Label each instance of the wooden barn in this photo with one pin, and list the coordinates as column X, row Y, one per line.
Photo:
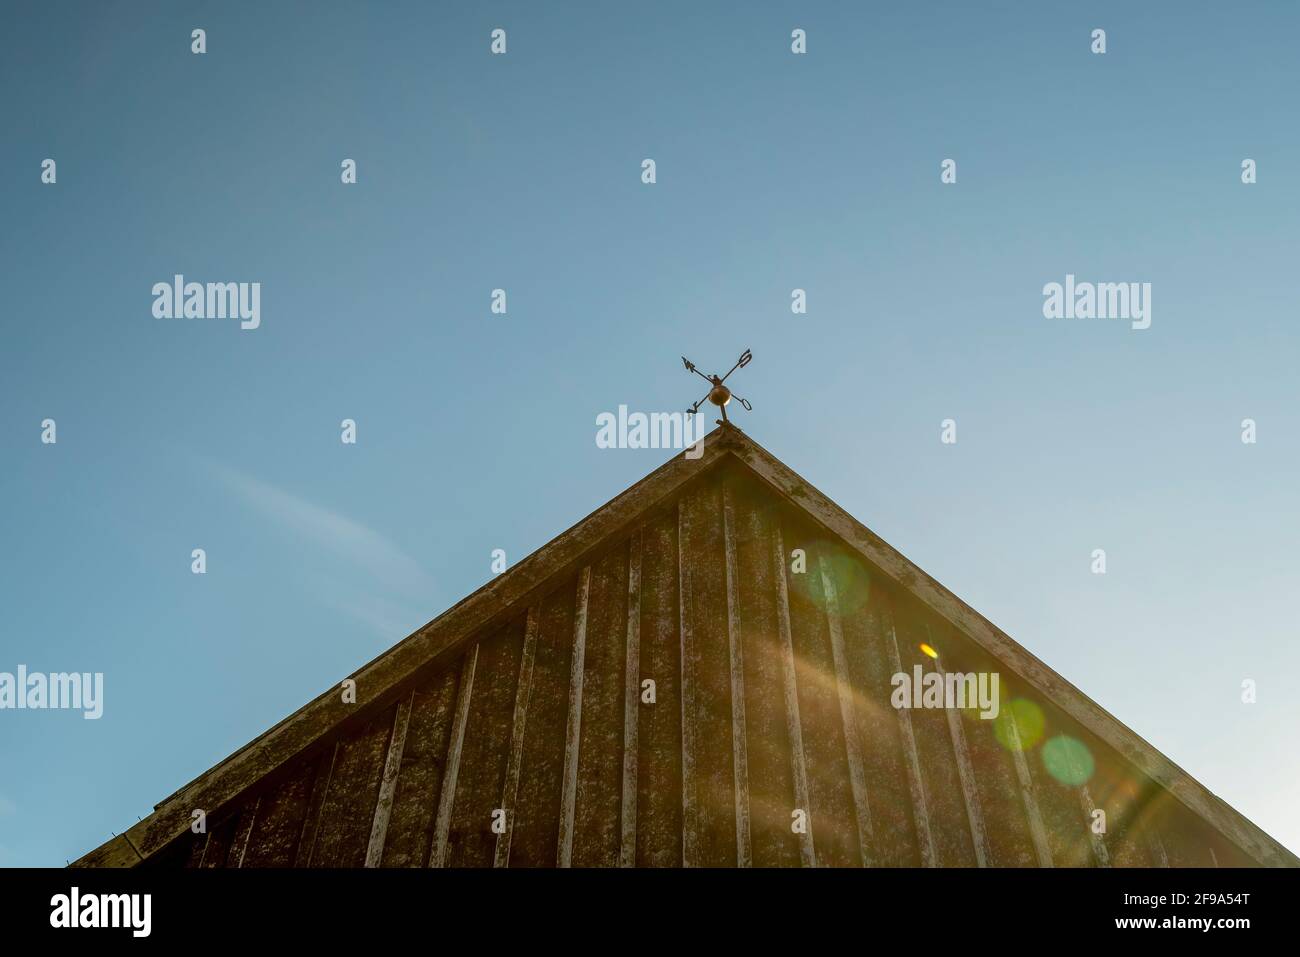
column 698, row 674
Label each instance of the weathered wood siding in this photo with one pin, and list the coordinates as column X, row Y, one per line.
column 771, row 704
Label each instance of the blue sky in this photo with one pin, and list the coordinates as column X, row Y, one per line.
column 476, row 431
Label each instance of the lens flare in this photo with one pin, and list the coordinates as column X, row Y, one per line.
column 1027, row 729
column 852, row 584
column 1068, row 760
column 927, row 650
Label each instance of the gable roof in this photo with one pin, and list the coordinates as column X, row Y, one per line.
column 379, row 681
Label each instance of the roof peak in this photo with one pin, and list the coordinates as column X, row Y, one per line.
column 384, row 677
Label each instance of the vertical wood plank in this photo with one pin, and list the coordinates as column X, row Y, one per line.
column 598, row 798
column 199, row 851
column 346, row 816
column 844, row 691
column 574, row 726
column 1119, row 802
column 659, row 731
column 1098, row 844
column 523, row 694
column 246, row 819
column 740, row 756
column 631, row 702
column 830, row 789
column 409, row 838
column 311, row 821
column 1006, row 828
column 799, row 764
column 280, row 817
column 713, row 755
column 966, row 773
column 773, row 841
column 1028, row 797
column 690, row 784
column 220, row 840
column 442, row 824
column 970, row 793
column 476, row 816
column 388, row 783
column 535, row 823
column 920, row 812
column 1157, row 847
column 945, row 803
column 862, row 600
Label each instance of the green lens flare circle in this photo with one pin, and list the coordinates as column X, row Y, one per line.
column 1068, row 760
column 1027, row 730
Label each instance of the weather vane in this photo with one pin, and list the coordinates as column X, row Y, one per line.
column 718, row 393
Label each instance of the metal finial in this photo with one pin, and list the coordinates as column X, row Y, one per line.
column 718, row 393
